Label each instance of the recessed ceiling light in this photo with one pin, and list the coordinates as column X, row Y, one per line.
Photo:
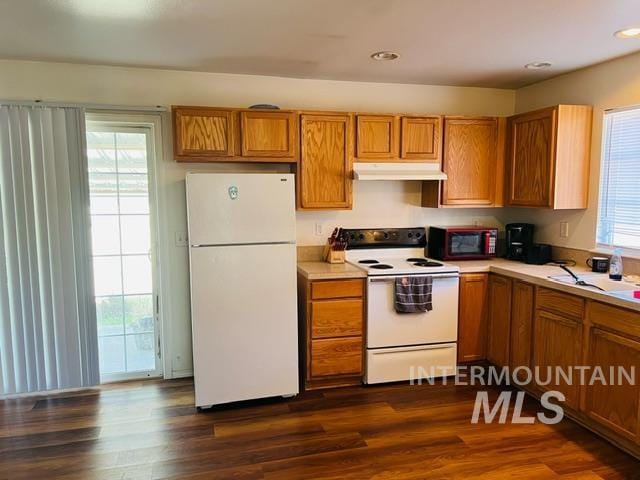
column 538, row 65
column 633, row 32
column 384, row 55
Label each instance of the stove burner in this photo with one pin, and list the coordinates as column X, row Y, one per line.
column 381, row 266
column 417, row 259
column 368, row 262
column 428, row 263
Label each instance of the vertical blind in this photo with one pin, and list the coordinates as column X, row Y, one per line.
column 619, row 210
column 48, row 329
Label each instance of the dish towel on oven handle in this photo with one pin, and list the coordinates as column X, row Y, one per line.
column 413, row 294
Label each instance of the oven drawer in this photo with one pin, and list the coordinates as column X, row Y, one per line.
column 396, row 364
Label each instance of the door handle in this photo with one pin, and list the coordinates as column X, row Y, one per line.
column 401, row 350
column 391, row 279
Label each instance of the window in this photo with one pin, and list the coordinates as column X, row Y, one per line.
column 619, row 210
column 122, row 229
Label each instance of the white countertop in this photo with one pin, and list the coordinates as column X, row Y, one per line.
column 539, row 275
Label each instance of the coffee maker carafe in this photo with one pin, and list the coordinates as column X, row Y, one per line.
column 519, row 237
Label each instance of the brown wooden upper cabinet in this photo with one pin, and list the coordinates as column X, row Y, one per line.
column 377, row 137
column 207, row 134
column 268, row 134
column 473, row 160
column 421, row 138
column 201, row 133
column 548, row 157
column 392, row 138
column 324, row 172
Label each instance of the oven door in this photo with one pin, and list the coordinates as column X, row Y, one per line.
column 470, row 244
column 387, row 328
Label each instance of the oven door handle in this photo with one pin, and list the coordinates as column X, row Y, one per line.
column 412, row 349
column 391, row 279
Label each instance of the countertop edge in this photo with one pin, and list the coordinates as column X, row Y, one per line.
column 329, row 271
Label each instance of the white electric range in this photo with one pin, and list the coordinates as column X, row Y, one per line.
column 402, row 346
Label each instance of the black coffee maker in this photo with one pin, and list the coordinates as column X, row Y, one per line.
column 519, row 237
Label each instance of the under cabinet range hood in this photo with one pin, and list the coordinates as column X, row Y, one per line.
column 398, row 171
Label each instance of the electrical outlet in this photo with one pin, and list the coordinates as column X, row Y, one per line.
column 181, row 239
column 318, row 229
column 564, row 229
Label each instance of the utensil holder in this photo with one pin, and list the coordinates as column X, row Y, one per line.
column 335, row 256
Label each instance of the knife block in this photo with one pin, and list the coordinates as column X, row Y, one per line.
column 333, row 256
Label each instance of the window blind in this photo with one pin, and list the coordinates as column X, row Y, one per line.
column 619, row 209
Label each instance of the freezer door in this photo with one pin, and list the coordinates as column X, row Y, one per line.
column 240, row 208
column 244, row 322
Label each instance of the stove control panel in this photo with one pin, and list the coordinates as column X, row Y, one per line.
column 384, row 237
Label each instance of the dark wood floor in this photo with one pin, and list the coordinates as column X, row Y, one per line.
column 149, row 430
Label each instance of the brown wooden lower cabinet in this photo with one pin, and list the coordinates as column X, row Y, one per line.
column 499, row 320
column 613, row 340
column 336, row 356
column 521, row 334
column 472, row 317
column 557, row 344
column 614, row 406
column 331, row 332
column 545, row 328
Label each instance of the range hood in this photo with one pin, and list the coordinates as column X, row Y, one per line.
column 398, row 171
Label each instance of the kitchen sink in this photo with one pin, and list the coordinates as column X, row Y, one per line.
column 599, row 280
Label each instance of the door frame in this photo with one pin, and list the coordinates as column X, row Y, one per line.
column 152, row 122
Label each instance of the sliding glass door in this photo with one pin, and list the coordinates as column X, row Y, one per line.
column 120, row 164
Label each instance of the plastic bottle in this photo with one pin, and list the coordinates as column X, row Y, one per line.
column 615, row 266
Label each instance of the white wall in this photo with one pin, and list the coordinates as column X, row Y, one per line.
column 376, row 204
column 608, row 85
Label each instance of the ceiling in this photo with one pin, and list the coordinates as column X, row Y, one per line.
column 446, row 42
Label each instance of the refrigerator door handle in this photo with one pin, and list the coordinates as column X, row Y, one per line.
column 250, row 244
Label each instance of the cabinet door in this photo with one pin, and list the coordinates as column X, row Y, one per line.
column 532, row 159
column 421, row 138
column 521, row 324
column 499, row 320
column 268, row 134
column 470, row 160
column 203, row 134
column 614, row 406
column 377, row 137
column 557, row 345
column 472, row 317
column 324, row 175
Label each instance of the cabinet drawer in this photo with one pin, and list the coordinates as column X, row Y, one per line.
column 562, row 303
column 337, row 289
column 336, row 318
column 614, row 318
column 342, row 356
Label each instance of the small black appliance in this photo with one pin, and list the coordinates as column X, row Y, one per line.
column 538, row 254
column 519, row 238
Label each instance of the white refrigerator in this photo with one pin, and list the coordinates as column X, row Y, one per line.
column 242, row 256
